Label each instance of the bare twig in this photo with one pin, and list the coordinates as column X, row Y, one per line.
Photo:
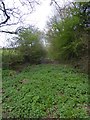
column 10, row 32
column 14, row 15
column 5, row 12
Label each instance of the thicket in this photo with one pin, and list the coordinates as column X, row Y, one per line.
column 29, row 49
column 68, row 36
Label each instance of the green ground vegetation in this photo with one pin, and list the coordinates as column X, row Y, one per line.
column 45, row 91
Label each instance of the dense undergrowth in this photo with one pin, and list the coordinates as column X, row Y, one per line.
column 45, row 91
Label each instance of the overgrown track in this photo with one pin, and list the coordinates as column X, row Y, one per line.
column 39, row 91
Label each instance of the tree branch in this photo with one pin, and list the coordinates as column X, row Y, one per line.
column 10, row 32
column 15, row 14
column 5, row 12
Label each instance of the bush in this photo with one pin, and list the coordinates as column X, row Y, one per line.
column 10, row 58
column 29, row 49
column 67, row 41
column 32, row 54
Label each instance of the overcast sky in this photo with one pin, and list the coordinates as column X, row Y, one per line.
column 38, row 18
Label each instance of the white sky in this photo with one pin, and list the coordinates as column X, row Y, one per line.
column 38, row 18
column 41, row 15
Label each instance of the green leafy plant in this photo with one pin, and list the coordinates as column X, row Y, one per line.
column 45, row 91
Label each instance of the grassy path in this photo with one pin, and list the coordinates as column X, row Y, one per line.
column 45, row 91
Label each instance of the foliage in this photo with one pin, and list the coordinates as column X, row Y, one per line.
column 30, row 45
column 10, row 57
column 29, row 49
column 39, row 91
column 68, row 36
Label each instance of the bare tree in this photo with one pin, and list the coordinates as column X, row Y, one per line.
column 13, row 12
column 63, row 10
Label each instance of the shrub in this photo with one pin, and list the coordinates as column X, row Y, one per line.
column 29, row 49
column 10, row 58
column 30, row 46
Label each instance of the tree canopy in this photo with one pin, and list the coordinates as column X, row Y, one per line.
column 68, row 35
